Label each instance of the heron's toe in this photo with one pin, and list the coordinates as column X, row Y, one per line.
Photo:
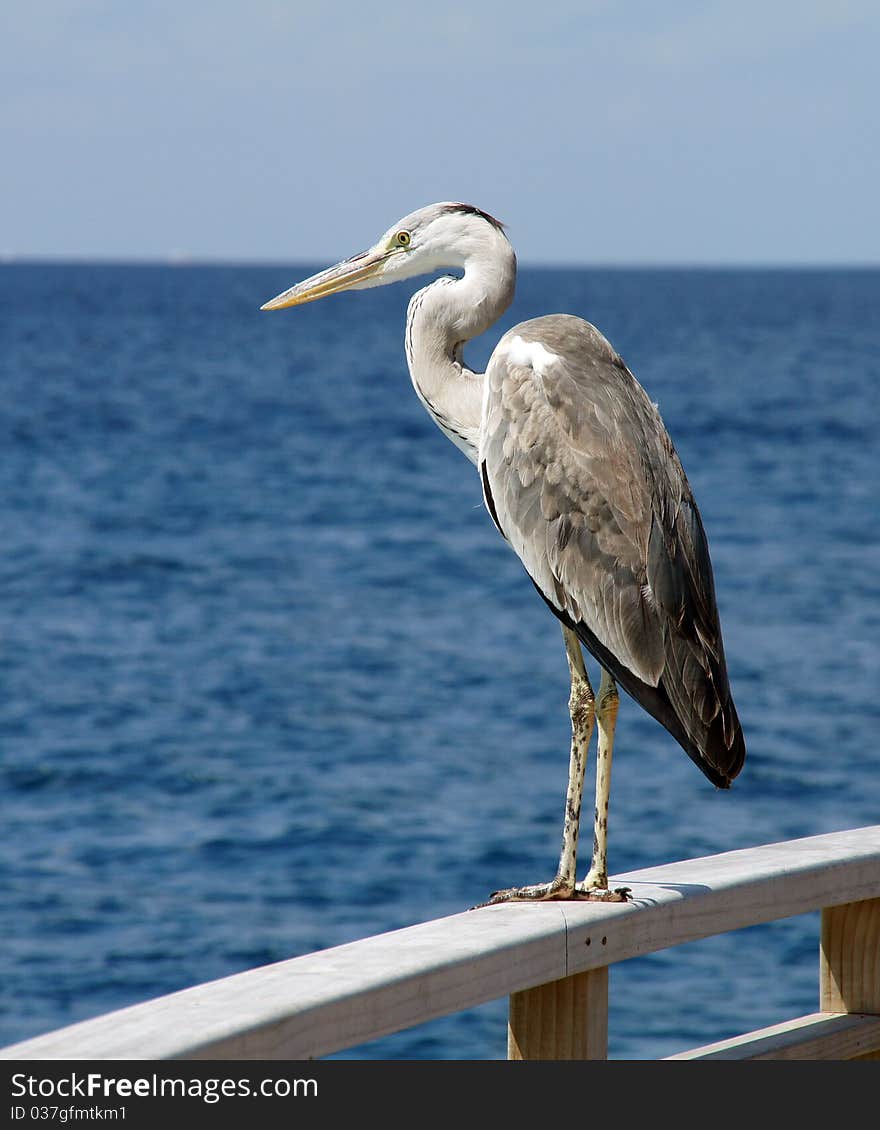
column 537, row 892
column 588, row 891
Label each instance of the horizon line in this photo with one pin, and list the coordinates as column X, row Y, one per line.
column 178, row 259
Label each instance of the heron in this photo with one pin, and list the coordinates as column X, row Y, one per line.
column 582, row 480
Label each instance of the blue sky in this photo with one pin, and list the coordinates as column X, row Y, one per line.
column 600, row 132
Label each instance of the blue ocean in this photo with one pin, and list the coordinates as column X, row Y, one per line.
column 270, row 680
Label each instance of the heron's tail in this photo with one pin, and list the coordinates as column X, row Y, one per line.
column 696, row 706
column 704, row 723
column 720, row 761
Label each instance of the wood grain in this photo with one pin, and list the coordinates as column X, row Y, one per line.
column 821, row 1035
column 849, row 961
column 566, row 1019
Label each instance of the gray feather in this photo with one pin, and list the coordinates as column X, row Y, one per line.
column 588, row 489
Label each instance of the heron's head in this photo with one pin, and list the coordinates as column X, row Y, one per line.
column 435, row 237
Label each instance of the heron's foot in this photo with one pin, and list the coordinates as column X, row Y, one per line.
column 602, row 894
column 557, row 891
column 538, row 892
column 595, row 887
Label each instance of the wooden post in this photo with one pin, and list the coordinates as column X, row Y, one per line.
column 849, row 960
column 566, row 1019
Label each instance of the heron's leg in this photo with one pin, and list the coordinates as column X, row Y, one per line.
column 606, row 720
column 582, row 708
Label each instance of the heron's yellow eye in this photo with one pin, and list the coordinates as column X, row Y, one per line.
column 403, row 239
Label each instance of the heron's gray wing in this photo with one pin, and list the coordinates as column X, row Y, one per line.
column 583, row 481
column 567, row 449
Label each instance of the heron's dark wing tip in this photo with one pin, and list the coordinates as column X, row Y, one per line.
column 724, row 751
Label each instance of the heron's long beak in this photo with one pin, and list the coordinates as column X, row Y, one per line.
column 348, row 273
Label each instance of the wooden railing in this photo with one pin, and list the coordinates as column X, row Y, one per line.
column 552, row 960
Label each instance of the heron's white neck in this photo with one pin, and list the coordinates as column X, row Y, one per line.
column 441, row 318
